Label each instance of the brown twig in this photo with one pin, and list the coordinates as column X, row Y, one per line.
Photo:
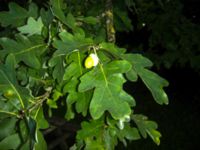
column 109, row 21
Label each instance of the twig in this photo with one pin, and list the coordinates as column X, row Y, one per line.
column 109, row 21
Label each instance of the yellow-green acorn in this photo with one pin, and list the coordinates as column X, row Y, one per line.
column 8, row 93
column 91, row 61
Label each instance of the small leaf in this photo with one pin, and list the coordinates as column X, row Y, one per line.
column 130, row 133
column 58, row 64
column 92, row 133
column 52, row 104
column 147, row 127
column 90, row 129
column 110, row 141
column 32, row 27
column 90, row 20
column 132, row 75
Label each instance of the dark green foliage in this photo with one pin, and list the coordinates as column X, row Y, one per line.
column 42, row 65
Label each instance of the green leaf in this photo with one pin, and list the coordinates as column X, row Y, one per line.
column 52, row 104
column 138, row 60
column 70, row 42
column 129, row 133
column 15, row 16
column 33, row 10
column 23, row 130
column 110, row 141
column 81, row 100
column 112, row 48
column 32, row 126
column 47, row 16
column 57, row 7
column 154, row 82
column 122, row 21
column 24, row 49
column 90, row 20
column 7, row 127
column 91, row 133
column 41, row 120
column 41, row 144
column 107, row 82
column 71, row 22
column 66, row 45
column 9, row 82
column 147, row 127
column 58, row 71
column 72, row 73
column 10, row 142
column 32, row 27
column 132, row 75
column 90, row 129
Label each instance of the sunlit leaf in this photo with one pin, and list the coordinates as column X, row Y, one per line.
column 108, row 92
column 32, row 27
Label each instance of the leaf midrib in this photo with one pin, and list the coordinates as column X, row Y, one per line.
column 28, row 49
column 13, row 87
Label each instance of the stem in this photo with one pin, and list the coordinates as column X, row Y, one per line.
column 39, row 101
column 9, row 113
column 109, row 21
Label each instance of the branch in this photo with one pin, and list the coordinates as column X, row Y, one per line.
column 109, row 21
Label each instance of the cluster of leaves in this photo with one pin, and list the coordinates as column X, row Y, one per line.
column 42, row 63
column 173, row 39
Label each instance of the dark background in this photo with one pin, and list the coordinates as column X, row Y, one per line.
column 179, row 121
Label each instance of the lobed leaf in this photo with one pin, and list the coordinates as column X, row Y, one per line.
column 8, row 80
column 32, row 27
column 154, row 82
column 108, row 93
column 72, row 73
column 24, row 50
column 147, row 127
column 15, row 16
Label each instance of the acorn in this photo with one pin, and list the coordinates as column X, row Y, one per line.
column 91, row 61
